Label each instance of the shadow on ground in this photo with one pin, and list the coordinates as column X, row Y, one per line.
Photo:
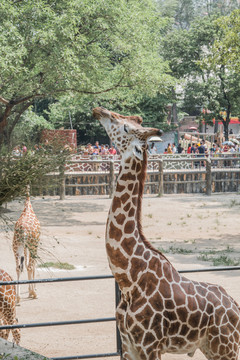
column 58, row 213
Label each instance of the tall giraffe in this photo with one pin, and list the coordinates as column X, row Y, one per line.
column 160, row 311
column 25, row 242
column 7, row 307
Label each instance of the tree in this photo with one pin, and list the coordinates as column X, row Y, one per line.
column 77, row 111
column 203, row 84
column 49, row 48
column 226, row 51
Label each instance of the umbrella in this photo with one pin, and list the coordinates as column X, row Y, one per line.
column 228, row 142
column 155, row 139
column 235, row 141
column 192, row 128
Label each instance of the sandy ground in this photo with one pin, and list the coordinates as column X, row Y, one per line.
column 73, row 232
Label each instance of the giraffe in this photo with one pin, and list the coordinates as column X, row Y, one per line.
column 25, row 242
column 7, row 307
column 160, row 310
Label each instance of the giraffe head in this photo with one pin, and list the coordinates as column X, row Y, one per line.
column 126, row 132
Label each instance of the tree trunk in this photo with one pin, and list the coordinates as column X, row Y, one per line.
column 216, row 126
column 225, row 127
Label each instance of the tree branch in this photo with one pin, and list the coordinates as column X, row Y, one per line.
column 4, row 101
column 24, row 108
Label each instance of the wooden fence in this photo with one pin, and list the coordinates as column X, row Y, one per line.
column 165, row 175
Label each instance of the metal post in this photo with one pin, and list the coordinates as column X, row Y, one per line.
column 117, row 300
column 160, row 178
column 62, row 182
column 208, row 176
column 111, row 179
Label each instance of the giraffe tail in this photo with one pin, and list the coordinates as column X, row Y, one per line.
column 21, row 263
column 21, row 257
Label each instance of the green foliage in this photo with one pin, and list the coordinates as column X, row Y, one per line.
column 49, row 48
column 29, row 128
column 226, row 50
column 17, row 173
column 57, row 265
column 204, row 84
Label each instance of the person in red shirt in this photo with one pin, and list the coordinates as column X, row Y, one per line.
column 112, row 150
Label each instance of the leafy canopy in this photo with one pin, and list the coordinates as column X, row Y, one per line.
column 50, row 48
column 88, row 46
column 227, row 49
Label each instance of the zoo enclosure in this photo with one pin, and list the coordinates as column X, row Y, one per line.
column 166, row 174
column 117, row 298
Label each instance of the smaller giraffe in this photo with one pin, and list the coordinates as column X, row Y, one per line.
column 25, row 242
column 7, row 307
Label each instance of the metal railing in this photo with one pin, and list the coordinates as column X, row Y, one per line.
column 86, row 321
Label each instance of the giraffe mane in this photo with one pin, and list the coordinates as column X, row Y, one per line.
column 133, row 118
column 139, row 207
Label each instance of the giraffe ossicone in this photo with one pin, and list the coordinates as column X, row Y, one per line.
column 8, row 307
column 160, row 310
column 25, row 244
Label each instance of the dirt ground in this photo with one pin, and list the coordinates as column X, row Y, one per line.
column 73, row 231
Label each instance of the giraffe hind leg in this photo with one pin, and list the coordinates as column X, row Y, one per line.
column 31, row 274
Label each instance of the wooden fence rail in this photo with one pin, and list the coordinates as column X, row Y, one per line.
column 165, row 175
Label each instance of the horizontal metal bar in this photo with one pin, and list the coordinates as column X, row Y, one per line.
column 56, row 323
column 99, row 277
column 220, row 268
column 77, row 278
column 92, row 356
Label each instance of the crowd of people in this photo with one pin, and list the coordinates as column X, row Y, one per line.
column 19, row 151
column 202, row 149
column 97, row 149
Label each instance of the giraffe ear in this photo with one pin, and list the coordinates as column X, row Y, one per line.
column 138, row 152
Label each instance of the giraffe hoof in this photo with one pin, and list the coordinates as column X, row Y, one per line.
column 32, row 295
column 18, row 301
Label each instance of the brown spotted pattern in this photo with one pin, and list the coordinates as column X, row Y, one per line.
column 8, row 308
column 25, row 245
column 160, row 311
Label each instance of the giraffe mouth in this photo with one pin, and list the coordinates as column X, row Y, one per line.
column 100, row 112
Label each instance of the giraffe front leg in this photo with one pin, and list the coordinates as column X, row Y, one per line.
column 11, row 320
column 3, row 333
column 18, row 286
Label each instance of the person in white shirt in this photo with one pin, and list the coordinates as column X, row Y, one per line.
column 153, row 149
column 174, row 149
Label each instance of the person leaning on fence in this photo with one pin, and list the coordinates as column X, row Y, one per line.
column 201, row 152
column 174, row 149
column 179, row 149
column 153, row 149
column 193, row 149
column 112, row 150
column 169, row 149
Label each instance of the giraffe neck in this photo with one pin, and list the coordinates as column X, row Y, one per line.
column 127, row 248
column 28, row 205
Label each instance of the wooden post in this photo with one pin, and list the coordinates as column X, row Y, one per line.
column 160, row 178
column 208, row 176
column 111, row 178
column 62, row 182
